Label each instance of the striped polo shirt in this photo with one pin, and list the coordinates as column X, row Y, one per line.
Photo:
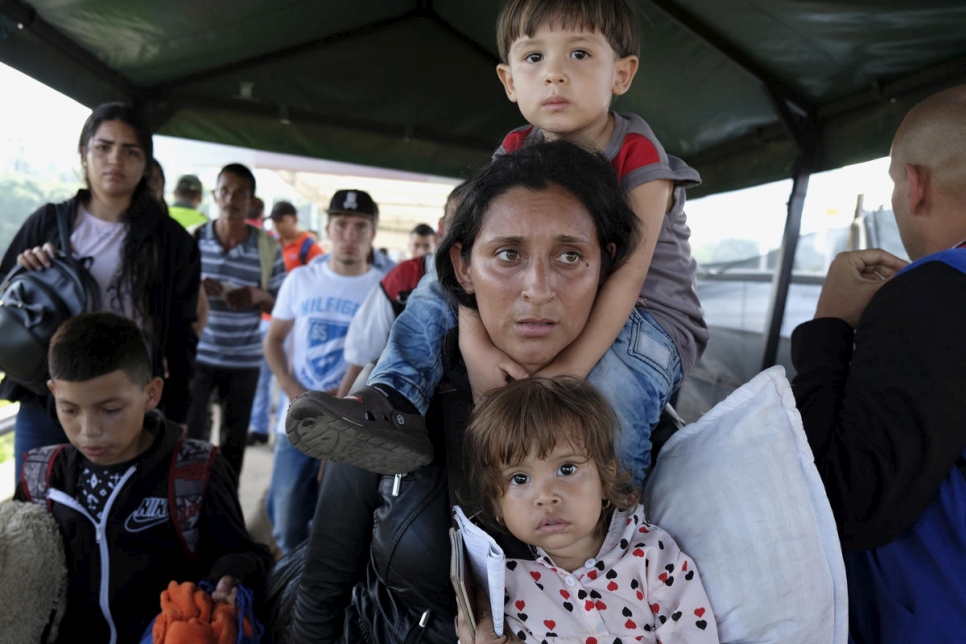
column 232, row 339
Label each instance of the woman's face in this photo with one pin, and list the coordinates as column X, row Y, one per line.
column 156, row 183
column 114, row 160
column 535, row 269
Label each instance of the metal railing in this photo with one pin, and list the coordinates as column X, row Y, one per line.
column 8, row 416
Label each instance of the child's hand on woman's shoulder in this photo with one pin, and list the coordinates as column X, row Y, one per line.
column 225, row 590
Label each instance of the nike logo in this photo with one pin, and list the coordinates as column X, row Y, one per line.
column 152, row 512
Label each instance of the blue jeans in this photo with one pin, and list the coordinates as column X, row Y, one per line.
column 292, row 494
column 637, row 375
column 262, row 405
column 34, row 427
column 235, row 389
column 412, row 363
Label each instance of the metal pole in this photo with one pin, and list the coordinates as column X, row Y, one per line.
column 786, row 260
column 806, row 134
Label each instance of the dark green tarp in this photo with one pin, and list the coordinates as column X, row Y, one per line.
column 736, row 87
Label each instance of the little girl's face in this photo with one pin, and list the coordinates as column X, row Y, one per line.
column 555, row 503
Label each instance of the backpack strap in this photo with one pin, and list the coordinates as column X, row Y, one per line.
column 63, row 225
column 267, row 248
column 187, row 484
column 304, row 251
column 37, row 467
column 401, row 281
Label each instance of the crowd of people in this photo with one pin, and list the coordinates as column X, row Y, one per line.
column 522, row 359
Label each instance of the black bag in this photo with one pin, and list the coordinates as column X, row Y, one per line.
column 33, row 304
column 281, row 588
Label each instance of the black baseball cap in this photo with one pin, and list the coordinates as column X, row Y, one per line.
column 353, row 202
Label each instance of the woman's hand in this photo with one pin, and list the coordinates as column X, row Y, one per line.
column 38, row 257
column 225, row 591
column 484, row 627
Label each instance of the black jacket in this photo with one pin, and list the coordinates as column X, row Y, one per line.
column 142, row 561
column 377, row 563
column 884, row 406
column 173, row 309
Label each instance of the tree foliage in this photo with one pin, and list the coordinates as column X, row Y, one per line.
column 21, row 195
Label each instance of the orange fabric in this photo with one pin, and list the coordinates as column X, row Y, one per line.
column 290, row 252
column 223, row 626
column 189, row 616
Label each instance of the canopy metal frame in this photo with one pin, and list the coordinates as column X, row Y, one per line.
column 809, row 134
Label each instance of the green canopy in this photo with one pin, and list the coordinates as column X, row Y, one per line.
column 739, row 88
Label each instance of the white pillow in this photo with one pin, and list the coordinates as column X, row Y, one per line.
column 739, row 491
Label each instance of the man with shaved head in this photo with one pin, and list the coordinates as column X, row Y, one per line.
column 881, row 387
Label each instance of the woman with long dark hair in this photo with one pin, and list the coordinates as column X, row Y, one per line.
column 146, row 265
column 537, row 233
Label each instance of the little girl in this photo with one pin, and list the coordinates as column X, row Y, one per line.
column 542, row 462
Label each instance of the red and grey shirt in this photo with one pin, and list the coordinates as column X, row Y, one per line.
column 670, row 290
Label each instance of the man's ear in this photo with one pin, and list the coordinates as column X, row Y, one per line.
column 506, row 77
column 624, row 71
column 153, row 391
column 461, row 267
column 52, row 388
column 917, row 183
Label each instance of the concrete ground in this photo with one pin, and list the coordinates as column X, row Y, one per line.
column 255, row 477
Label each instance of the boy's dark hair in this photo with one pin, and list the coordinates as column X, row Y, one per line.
column 257, row 209
column 242, row 171
column 91, row 345
column 534, row 415
column 422, row 230
column 585, row 175
column 615, row 19
column 283, row 209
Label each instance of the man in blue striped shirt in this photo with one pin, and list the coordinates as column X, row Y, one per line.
column 241, row 274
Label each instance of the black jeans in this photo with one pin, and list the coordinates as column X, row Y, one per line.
column 235, row 391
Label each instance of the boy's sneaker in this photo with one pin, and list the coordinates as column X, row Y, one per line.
column 362, row 430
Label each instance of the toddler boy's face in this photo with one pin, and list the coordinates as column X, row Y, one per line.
column 104, row 417
column 564, row 80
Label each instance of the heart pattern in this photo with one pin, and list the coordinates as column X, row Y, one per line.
column 611, row 592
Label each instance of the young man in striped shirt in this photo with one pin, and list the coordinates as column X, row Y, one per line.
column 240, row 285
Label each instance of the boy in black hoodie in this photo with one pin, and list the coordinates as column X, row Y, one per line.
column 137, row 505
